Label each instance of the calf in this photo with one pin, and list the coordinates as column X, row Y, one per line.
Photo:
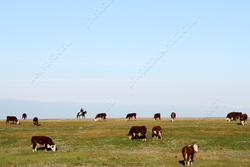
column 101, row 116
column 156, row 132
column 24, row 116
column 137, row 132
column 42, row 140
column 131, row 116
column 157, row 115
column 243, row 119
column 173, row 116
column 35, row 121
column 233, row 116
column 12, row 118
column 188, row 153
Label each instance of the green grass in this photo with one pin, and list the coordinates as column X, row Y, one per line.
column 105, row 143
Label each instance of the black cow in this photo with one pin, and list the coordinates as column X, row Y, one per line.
column 35, row 121
column 24, row 116
column 136, row 132
column 156, row 132
column 131, row 116
column 243, row 119
column 233, row 116
column 101, row 116
column 157, row 115
column 42, row 140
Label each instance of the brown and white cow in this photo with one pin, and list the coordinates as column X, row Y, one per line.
column 173, row 116
column 157, row 115
column 233, row 116
column 188, row 153
column 101, row 116
column 137, row 132
column 12, row 118
column 131, row 116
column 243, row 119
column 35, row 121
column 24, row 116
column 38, row 141
column 156, row 132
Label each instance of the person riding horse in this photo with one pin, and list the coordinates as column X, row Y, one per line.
column 81, row 113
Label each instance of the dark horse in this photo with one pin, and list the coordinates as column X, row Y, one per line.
column 81, row 113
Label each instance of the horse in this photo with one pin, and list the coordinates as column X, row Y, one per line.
column 81, row 113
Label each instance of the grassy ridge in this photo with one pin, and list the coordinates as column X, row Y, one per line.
column 105, row 143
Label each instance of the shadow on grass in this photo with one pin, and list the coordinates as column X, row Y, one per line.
column 239, row 124
column 43, row 149
column 182, row 162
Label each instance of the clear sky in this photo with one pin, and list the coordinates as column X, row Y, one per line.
column 191, row 57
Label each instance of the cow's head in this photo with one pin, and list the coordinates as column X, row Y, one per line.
column 130, row 136
column 227, row 119
column 18, row 123
column 195, row 147
column 53, row 147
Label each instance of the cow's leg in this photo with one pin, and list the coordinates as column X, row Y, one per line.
column 191, row 159
column 133, row 135
column 144, row 137
column 34, row 147
column 46, row 147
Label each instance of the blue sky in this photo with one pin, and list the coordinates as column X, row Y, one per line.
column 59, row 56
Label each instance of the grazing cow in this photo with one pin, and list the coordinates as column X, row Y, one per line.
column 42, row 140
column 188, row 153
column 81, row 113
column 24, row 116
column 12, row 118
column 233, row 116
column 156, row 132
column 157, row 115
column 243, row 119
column 131, row 116
column 101, row 116
column 137, row 132
column 35, row 121
column 173, row 116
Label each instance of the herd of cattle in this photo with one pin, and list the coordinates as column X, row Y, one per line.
column 135, row 132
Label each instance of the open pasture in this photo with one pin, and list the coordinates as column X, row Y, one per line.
column 84, row 142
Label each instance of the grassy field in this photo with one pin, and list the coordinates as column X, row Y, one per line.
column 105, row 143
